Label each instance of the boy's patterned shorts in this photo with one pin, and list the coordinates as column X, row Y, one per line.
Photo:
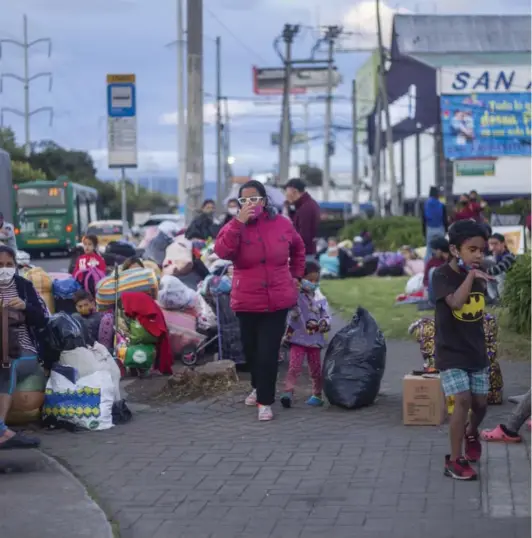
column 455, row 381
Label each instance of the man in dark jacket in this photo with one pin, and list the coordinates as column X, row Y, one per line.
column 306, row 216
column 203, row 226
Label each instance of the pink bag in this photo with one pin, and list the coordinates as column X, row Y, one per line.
column 89, row 279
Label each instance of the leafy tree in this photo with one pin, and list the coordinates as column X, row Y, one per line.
column 24, row 172
column 49, row 160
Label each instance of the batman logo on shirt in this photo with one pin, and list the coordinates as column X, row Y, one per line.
column 473, row 309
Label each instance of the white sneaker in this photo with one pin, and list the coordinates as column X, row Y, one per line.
column 251, row 400
column 265, row 413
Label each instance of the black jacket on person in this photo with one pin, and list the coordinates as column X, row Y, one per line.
column 35, row 313
column 202, row 227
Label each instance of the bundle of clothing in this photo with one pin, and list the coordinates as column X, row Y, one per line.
column 143, row 341
column 175, row 295
column 424, row 331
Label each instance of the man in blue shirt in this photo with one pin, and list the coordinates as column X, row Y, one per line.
column 434, row 220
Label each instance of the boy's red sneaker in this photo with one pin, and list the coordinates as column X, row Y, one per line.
column 473, row 448
column 459, row 469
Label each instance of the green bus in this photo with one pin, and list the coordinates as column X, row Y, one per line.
column 52, row 216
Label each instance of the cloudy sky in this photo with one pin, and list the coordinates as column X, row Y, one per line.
column 94, row 37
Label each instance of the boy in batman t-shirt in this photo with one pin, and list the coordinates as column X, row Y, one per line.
column 459, row 287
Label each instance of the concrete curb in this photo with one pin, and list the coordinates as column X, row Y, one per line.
column 105, row 530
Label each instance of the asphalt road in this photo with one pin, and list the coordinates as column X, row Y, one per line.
column 52, row 264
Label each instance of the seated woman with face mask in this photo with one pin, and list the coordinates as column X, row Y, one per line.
column 232, row 211
column 26, row 316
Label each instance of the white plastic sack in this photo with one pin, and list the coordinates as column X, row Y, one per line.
column 87, row 404
column 174, row 295
column 205, row 317
column 108, row 364
column 82, row 359
column 415, row 283
column 170, row 228
column 178, row 254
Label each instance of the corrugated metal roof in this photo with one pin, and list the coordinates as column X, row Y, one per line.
column 465, row 59
column 448, row 34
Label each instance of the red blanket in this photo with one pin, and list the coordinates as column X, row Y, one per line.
column 147, row 312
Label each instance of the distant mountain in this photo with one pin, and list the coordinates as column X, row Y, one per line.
column 169, row 185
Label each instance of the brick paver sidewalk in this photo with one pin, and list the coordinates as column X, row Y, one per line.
column 210, row 470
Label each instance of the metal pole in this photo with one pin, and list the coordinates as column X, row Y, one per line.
column 376, row 180
column 356, row 179
column 194, row 107
column 125, row 225
column 181, row 127
column 394, row 193
column 328, row 121
column 219, row 164
column 306, row 128
column 418, row 175
column 27, row 137
column 289, row 33
column 227, row 149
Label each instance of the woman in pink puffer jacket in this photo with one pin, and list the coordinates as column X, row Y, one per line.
column 269, row 260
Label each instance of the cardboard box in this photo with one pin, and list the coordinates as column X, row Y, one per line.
column 423, row 400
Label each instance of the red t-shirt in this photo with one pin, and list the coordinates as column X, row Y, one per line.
column 433, row 262
column 86, row 261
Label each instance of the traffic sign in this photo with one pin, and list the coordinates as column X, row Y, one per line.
column 121, row 121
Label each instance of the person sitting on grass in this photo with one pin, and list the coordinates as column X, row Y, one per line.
column 459, row 289
column 329, row 260
column 509, row 432
column 308, row 322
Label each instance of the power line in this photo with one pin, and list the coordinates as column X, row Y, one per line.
column 26, row 80
column 244, row 45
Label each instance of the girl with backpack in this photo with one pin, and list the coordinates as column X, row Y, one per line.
column 90, row 267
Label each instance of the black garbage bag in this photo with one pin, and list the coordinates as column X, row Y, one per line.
column 62, row 333
column 354, row 363
column 121, row 413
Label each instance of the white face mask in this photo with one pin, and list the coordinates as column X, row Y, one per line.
column 232, row 211
column 7, row 274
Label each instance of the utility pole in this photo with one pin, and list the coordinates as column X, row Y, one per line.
column 394, row 192
column 356, row 179
column 306, row 130
column 289, row 33
column 332, row 33
column 195, row 162
column 181, row 126
column 376, row 180
column 26, row 80
column 227, row 148
column 219, row 164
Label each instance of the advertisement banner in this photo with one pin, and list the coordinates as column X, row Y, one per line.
column 270, row 80
column 367, row 78
column 486, row 125
column 514, row 236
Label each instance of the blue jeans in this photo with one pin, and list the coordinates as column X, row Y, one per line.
column 432, row 233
